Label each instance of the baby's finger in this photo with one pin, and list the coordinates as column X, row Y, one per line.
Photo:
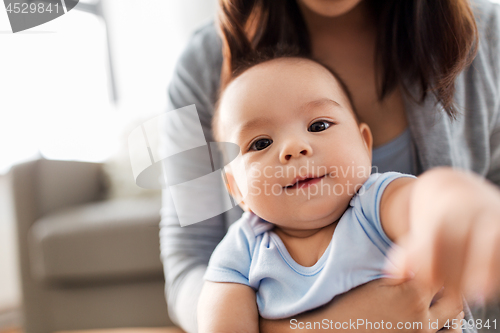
column 482, row 261
column 451, row 250
column 398, row 267
column 444, row 258
column 422, row 260
column 493, row 283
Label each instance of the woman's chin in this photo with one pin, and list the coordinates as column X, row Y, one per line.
column 329, row 8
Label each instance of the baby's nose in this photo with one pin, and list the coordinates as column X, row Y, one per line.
column 289, row 156
column 295, row 149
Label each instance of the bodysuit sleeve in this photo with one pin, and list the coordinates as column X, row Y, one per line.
column 232, row 258
column 366, row 205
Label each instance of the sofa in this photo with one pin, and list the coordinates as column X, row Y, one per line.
column 85, row 262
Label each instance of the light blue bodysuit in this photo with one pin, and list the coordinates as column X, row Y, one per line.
column 251, row 253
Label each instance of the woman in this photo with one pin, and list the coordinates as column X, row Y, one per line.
column 406, row 63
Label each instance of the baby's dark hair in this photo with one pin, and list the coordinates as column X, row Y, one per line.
column 260, row 57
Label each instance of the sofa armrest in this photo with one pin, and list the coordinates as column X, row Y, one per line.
column 43, row 186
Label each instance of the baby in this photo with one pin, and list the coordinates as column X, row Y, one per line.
column 317, row 223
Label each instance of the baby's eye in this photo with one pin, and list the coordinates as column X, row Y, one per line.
column 261, row 144
column 319, row 126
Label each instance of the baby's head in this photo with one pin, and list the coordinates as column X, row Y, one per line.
column 303, row 152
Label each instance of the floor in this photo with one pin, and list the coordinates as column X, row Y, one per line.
column 11, row 330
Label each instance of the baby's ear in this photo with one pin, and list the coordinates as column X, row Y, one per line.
column 233, row 189
column 366, row 134
column 230, row 182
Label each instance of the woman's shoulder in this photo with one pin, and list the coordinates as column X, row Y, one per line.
column 486, row 12
column 196, row 76
column 487, row 16
column 482, row 78
column 203, row 52
column 204, row 43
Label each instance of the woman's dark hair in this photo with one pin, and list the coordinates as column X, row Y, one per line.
column 427, row 42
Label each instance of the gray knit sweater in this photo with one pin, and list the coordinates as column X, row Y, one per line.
column 470, row 142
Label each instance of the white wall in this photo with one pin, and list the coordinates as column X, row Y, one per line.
column 54, row 85
column 55, row 78
column 147, row 39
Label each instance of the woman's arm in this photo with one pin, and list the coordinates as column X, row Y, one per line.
column 494, row 169
column 227, row 307
column 185, row 251
column 379, row 301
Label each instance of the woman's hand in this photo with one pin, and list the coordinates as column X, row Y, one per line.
column 388, row 302
column 454, row 235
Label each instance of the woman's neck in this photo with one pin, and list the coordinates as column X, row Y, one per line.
column 357, row 20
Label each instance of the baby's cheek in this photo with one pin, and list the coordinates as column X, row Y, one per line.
column 267, row 208
column 263, row 197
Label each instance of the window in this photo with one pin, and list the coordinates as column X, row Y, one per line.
column 57, row 97
column 55, row 91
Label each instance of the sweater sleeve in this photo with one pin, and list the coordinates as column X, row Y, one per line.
column 185, row 251
column 494, row 170
column 493, row 46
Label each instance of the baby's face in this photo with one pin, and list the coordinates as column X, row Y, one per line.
column 303, row 155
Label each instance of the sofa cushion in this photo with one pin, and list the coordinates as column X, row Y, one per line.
column 116, row 239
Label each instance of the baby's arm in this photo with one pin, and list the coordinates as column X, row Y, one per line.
column 448, row 224
column 395, row 208
column 227, row 307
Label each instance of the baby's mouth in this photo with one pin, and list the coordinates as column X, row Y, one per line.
column 305, row 182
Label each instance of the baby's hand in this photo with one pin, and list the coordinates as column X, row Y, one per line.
column 454, row 235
